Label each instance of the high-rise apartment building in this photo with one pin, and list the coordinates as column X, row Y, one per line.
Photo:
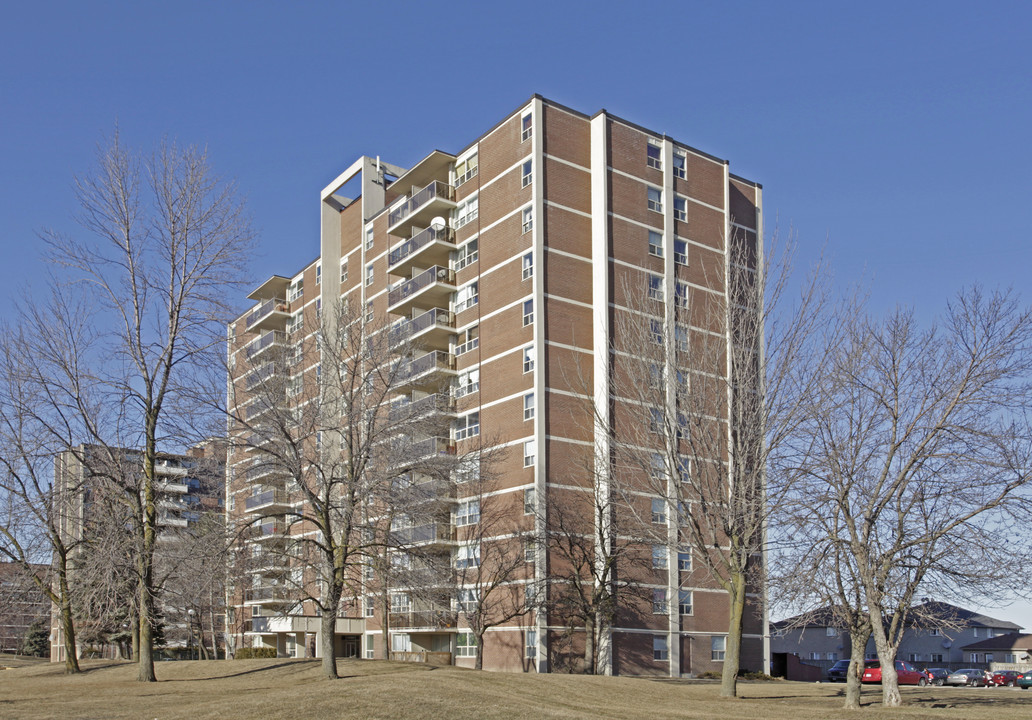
column 506, row 266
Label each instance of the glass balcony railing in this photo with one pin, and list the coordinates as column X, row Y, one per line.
column 265, row 499
column 431, row 532
column 436, row 403
column 418, row 242
column 270, row 593
column 273, row 337
column 434, row 190
column 421, row 281
column 264, row 310
column 431, row 318
column 436, row 360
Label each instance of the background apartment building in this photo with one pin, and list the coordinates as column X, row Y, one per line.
column 507, row 267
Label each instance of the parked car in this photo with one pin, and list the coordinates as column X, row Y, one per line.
column 1025, row 679
column 906, row 673
column 968, row 676
column 1005, row 677
column 837, row 672
column 937, row 676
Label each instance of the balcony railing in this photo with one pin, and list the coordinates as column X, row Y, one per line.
column 421, row 281
column 267, row 530
column 437, row 317
column 436, row 403
column 264, row 310
column 436, row 189
column 269, row 497
column 256, row 377
column 430, row 618
column 269, row 593
column 256, row 472
column 266, row 341
column 419, row 241
column 431, row 532
column 436, row 360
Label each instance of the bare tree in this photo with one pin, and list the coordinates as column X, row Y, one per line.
column 917, row 461
column 166, row 241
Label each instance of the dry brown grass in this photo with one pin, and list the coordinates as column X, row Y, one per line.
column 295, row 690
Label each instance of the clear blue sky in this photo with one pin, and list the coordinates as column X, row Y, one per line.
column 896, row 132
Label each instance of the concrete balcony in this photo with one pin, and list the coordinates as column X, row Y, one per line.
column 428, row 535
column 270, row 595
column 435, row 200
column 267, row 341
column 430, row 289
column 424, row 407
column 433, row 619
column 273, row 532
column 432, row 330
column 427, row 372
column 268, row 502
column 270, row 315
column 431, row 246
column 259, row 376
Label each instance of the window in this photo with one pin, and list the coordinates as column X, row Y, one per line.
column 655, row 288
column 680, row 294
column 468, row 340
column 296, row 291
column 655, row 196
column 656, row 422
column 680, row 209
column 654, row 155
column 369, row 275
column 1010, row 658
column 528, row 406
column 529, row 452
column 467, row 211
column 718, row 644
column 528, row 501
column 294, row 386
column 659, row 557
column 528, row 219
column 656, row 331
column 468, row 600
column 369, row 647
column 528, row 359
column 530, row 649
column 935, row 657
column 975, row 631
column 684, row 561
column 681, row 338
column 914, row 657
column 467, row 555
column 467, row 254
column 529, row 550
column 680, row 161
column 344, row 275
column 684, row 468
column 973, row 657
column 528, row 266
column 369, row 239
column 814, row 656
column 526, row 125
column 467, row 297
column 318, row 308
column 369, row 311
column 370, row 606
column 466, row 645
column 833, row 656
column 469, row 382
column 465, row 169
column 400, row 603
column 528, row 312
column 659, row 602
column 527, row 173
column 401, row 642
column 659, row 648
column 659, row 511
column 468, row 513
column 655, row 244
column 467, row 426
column 684, row 602
column 680, row 252
column 657, row 376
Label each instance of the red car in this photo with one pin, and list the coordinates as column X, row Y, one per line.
column 906, row 673
column 1005, row 677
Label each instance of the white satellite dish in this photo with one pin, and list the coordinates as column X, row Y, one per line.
column 438, row 223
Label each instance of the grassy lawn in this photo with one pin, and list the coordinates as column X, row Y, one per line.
column 295, row 690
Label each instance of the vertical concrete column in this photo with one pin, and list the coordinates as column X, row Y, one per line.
column 669, row 323
column 537, row 149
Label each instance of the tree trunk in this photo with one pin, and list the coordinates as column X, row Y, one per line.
column 135, row 640
column 887, row 659
column 67, row 621
column 329, row 656
column 145, row 672
column 858, row 644
column 733, row 642
column 479, row 664
column 589, row 644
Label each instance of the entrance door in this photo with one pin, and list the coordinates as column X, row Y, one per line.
column 350, row 646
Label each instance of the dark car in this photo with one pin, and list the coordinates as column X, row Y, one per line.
column 838, row 671
column 1004, row 677
column 906, row 674
column 967, row 676
column 937, row 676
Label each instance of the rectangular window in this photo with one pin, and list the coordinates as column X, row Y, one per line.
column 659, row 557
column 528, row 359
column 718, row 645
column 659, row 648
column 318, row 274
column 528, row 406
column 935, row 658
column 467, row 296
column 656, row 331
column 527, row 173
column 467, row 211
column 975, row 631
column 529, row 550
column 467, row 254
column 468, row 600
column 680, row 209
column 370, row 606
column 681, row 294
column 684, row 561
column 468, row 340
column 680, row 252
column 655, row 288
column 814, row 656
column 528, row 312
column 400, row 603
column 369, row 239
column 467, row 513
column 528, row 501
column 655, row 244
column 369, row 311
column 528, row 219
column 369, row 275
column 833, row 656
column 659, row 602
column 655, row 199
column 530, row 648
column 656, row 423
column 467, row 555
column 680, row 161
column 296, row 291
column 681, row 339
column 526, row 126
column 914, row 657
column 659, row 511
column 466, row 645
column 465, row 169
column 467, row 426
column 344, row 275
column 468, row 382
column 401, row 642
column 528, row 266
column 654, row 155
column 529, row 452
column 684, row 602
column 370, row 648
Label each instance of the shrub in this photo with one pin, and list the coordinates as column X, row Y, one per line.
column 254, row 653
